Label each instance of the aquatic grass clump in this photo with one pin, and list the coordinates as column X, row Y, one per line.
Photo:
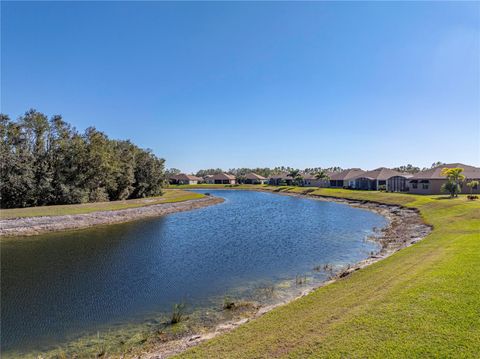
column 300, row 279
column 327, row 267
column 266, row 291
column 177, row 313
column 228, row 303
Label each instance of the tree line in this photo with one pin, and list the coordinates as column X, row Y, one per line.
column 262, row 171
column 268, row 172
column 47, row 161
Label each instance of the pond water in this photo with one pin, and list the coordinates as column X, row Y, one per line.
column 57, row 286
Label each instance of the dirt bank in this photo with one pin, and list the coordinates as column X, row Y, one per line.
column 405, row 228
column 30, row 226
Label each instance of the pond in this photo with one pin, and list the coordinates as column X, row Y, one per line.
column 58, row 286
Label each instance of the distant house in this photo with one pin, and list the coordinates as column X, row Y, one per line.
column 220, row 178
column 345, row 178
column 253, row 178
column 183, row 178
column 311, row 181
column 208, row 179
column 280, row 179
column 378, row 178
column 431, row 181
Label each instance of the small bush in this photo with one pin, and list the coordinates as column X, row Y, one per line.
column 451, row 188
column 472, row 197
column 207, row 194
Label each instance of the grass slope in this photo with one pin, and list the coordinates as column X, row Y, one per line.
column 168, row 197
column 423, row 301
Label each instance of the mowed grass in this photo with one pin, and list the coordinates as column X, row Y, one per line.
column 421, row 302
column 169, row 196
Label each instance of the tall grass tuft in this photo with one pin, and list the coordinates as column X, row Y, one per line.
column 177, row 313
column 228, row 303
column 300, row 279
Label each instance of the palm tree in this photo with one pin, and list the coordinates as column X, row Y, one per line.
column 297, row 177
column 472, row 185
column 322, row 175
column 454, row 177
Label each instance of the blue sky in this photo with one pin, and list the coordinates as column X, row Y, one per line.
column 221, row 84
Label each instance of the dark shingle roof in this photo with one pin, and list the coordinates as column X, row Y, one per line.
column 346, row 174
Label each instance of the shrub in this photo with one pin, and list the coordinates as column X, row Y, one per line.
column 451, row 188
column 472, row 197
column 99, row 194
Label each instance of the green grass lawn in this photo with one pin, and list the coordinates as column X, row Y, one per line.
column 168, row 197
column 423, row 301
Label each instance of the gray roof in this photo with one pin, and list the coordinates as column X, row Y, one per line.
column 254, row 176
column 382, row 174
column 281, row 176
column 222, row 176
column 185, row 177
column 346, row 174
column 470, row 172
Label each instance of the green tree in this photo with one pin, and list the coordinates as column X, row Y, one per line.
column 18, row 178
column 149, row 174
column 37, row 131
column 454, row 178
column 407, row 169
column 49, row 162
column 297, row 177
column 473, row 185
column 322, row 175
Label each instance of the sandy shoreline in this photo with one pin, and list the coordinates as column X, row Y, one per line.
column 405, row 228
column 31, row 226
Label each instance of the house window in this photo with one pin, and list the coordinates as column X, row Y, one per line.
column 414, row 185
column 424, row 185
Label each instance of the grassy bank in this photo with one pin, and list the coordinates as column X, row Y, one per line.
column 169, row 196
column 422, row 301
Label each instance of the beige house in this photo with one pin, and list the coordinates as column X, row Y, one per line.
column 183, row 178
column 220, row 178
column 310, row 181
column 345, row 178
column 382, row 178
column 253, row 178
column 431, row 181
